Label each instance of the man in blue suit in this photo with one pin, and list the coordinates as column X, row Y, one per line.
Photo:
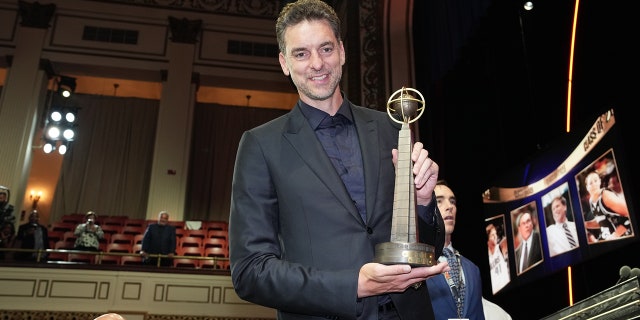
column 311, row 200
column 443, row 290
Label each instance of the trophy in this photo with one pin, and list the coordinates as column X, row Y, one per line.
column 403, row 247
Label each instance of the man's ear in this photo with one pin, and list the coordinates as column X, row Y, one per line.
column 343, row 54
column 283, row 64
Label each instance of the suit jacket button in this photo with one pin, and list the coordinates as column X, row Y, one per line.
column 369, row 230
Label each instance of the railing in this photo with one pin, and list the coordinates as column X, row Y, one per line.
column 41, row 255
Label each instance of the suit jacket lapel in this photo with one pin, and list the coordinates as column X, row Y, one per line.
column 368, row 134
column 468, row 284
column 304, row 141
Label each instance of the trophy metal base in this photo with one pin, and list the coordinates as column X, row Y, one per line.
column 415, row 254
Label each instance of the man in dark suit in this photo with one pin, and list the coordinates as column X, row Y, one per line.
column 6, row 209
column 159, row 238
column 32, row 235
column 445, row 293
column 310, row 201
column 529, row 251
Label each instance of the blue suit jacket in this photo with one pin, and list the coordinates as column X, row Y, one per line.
column 296, row 239
column 444, row 306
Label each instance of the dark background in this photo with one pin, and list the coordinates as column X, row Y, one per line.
column 496, row 79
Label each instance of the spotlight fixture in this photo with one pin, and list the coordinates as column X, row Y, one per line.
column 66, row 86
column 49, row 146
column 62, row 149
column 55, row 115
column 70, row 116
column 53, row 132
column 61, row 122
column 68, row 134
column 61, row 117
column 52, row 145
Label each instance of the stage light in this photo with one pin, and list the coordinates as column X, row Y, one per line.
column 66, row 86
column 61, row 120
column 55, row 115
column 68, row 134
column 53, row 132
column 62, row 149
column 48, row 147
column 70, row 116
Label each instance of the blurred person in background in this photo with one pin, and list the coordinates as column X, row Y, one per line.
column 159, row 238
column 455, row 294
column 6, row 209
column 6, row 238
column 32, row 235
column 88, row 234
column 110, row 316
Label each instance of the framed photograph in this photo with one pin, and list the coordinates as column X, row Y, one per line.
column 604, row 207
column 561, row 230
column 498, row 253
column 526, row 237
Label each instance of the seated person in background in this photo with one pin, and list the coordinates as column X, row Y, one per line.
column 32, row 235
column 159, row 238
column 6, row 238
column 6, row 210
column 88, row 234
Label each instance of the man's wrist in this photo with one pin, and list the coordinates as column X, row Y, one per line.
column 427, row 212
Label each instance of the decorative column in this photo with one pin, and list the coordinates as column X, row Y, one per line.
column 168, row 186
column 23, row 100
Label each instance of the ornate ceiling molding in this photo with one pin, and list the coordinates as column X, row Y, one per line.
column 249, row 8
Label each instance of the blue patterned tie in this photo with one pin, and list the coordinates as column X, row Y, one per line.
column 570, row 238
column 458, row 294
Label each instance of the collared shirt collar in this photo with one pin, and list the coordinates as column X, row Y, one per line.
column 315, row 116
column 450, row 246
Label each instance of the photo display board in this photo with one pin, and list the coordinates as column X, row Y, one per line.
column 565, row 206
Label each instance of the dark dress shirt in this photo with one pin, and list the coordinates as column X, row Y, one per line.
column 159, row 239
column 32, row 236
